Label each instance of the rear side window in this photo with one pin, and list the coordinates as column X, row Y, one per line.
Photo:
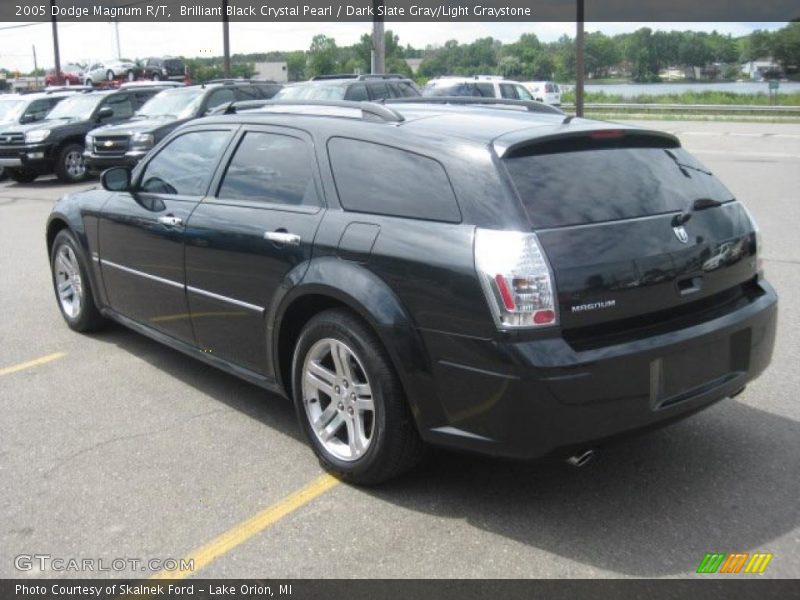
column 378, row 179
column 403, row 89
column 379, row 91
column 272, row 168
column 594, row 184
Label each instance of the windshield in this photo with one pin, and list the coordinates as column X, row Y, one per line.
column 179, row 104
column 11, row 108
column 80, row 106
column 311, row 92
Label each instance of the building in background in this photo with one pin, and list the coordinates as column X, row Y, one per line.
column 274, row 71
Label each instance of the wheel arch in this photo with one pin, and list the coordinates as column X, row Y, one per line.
column 365, row 295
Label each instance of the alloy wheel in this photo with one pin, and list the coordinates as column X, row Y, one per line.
column 73, row 164
column 68, row 281
column 337, row 398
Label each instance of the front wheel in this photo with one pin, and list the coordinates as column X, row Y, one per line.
column 130, row 76
column 350, row 403
column 72, row 286
column 110, row 75
column 70, row 167
column 156, row 76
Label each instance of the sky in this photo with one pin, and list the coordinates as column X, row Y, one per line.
column 139, row 40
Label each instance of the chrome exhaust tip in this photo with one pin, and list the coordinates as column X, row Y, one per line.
column 581, row 460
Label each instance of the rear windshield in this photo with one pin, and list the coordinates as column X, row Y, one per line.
column 605, row 184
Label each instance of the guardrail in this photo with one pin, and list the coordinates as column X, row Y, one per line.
column 729, row 109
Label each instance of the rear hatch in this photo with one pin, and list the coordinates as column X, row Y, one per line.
column 641, row 237
column 174, row 67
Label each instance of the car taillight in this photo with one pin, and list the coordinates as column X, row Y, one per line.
column 516, row 278
column 759, row 243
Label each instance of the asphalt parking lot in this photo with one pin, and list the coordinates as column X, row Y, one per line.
column 112, row 445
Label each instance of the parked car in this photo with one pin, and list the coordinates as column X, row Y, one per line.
column 70, row 75
column 18, row 110
column 467, row 276
column 548, row 92
column 55, row 144
column 481, row 86
column 351, row 87
column 110, row 70
column 126, row 143
column 164, row 68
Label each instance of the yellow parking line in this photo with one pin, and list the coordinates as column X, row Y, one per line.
column 242, row 532
column 32, row 363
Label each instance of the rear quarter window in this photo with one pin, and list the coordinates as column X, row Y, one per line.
column 383, row 180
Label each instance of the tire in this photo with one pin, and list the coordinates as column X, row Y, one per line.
column 130, row 76
column 70, row 167
column 3, row 174
column 375, row 405
column 72, row 286
column 156, row 76
column 21, row 175
column 110, row 75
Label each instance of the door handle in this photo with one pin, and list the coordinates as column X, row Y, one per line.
column 283, row 238
column 170, row 221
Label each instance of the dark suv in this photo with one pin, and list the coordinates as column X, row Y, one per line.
column 351, row 87
column 482, row 277
column 55, row 144
column 18, row 110
column 164, row 68
column 126, row 143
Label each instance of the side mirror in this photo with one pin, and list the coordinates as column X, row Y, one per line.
column 116, row 179
column 105, row 113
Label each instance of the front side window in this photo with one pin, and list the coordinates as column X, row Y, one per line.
column 218, row 97
column 185, row 166
column 121, row 105
column 523, row 93
column 272, row 168
column 508, row 90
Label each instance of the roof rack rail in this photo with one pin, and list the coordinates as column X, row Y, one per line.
column 529, row 105
column 230, row 80
column 381, row 76
column 370, row 111
column 336, row 76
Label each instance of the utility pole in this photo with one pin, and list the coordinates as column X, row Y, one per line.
column 226, row 39
column 579, row 62
column 35, row 68
column 116, row 35
column 56, row 52
column 378, row 40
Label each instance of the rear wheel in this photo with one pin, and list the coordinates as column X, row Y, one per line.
column 350, row 403
column 130, row 75
column 70, row 167
column 88, row 83
column 156, row 76
column 110, row 75
column 22, row 175
column 72, row 286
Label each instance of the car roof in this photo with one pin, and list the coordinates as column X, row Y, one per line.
column 426, row 124
column 449, row 79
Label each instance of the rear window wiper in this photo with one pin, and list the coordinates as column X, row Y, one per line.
column 683, row 165
column 692, row 207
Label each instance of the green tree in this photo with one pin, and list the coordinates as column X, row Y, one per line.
column 296, row 65
column 323, row 56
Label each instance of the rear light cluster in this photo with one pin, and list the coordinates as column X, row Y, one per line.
column 759, row 243
column 516, row 278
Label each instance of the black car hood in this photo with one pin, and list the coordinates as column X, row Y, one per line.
column 136, row 126
column 46, row 124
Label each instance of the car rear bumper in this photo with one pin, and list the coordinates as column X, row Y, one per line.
column 533, row 398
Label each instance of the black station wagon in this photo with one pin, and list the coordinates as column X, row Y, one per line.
column 491, row 277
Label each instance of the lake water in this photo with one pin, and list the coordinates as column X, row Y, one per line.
column 629, row 90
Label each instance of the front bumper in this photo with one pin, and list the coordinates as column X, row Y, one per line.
column 96, row 163
column 533, row 398
column 34, row 157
